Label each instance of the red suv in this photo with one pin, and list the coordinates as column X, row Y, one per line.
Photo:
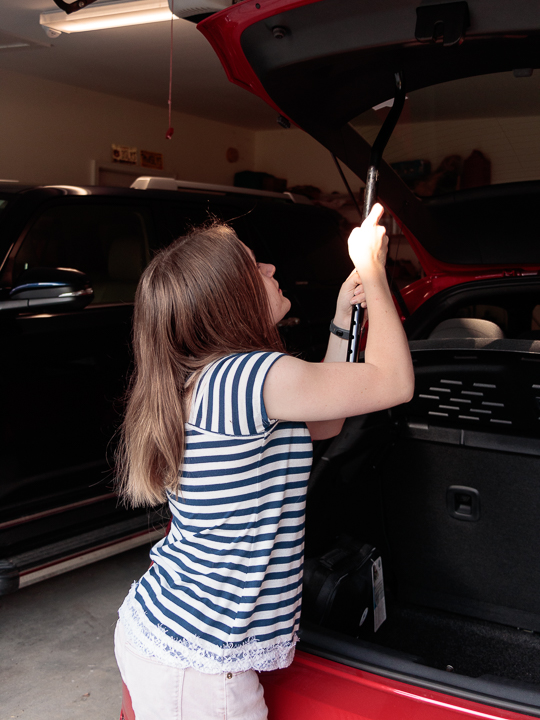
column 442, row 493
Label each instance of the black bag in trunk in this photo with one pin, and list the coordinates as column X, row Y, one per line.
column 338, row 588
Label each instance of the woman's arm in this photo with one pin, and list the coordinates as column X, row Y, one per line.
column 350, row 294
column 333, row 390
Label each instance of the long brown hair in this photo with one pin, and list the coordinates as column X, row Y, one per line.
column 199, row 299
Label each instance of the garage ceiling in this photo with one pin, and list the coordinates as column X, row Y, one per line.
column 130, row 62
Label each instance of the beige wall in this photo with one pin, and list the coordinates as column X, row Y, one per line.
column 512, row 144
column 296, row 156
column 55, row 133
column 52, row 133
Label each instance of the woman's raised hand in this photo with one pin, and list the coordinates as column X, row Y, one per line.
column 325, row 393
column 368, row 244
column 351, row 293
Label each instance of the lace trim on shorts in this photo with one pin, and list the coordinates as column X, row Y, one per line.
column 151, row 641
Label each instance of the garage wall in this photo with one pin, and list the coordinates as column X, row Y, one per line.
column 53, row 133
column 296, row 156
column 512, row 144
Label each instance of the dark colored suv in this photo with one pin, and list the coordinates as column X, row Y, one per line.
column 65, row 353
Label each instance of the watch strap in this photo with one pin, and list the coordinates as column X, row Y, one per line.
column 340, row 332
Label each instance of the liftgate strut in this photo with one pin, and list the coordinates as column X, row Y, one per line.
column 370, row 197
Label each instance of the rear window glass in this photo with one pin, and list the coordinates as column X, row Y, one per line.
column 465, row 133
column 107, row 243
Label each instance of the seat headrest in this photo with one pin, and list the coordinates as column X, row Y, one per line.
column 467, row 328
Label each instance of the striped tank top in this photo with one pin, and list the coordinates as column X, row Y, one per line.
column 224, row 590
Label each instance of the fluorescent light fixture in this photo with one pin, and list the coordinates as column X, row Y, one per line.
column 14, row 42
column 14, row 46
column 111, row 15
column 123, row 14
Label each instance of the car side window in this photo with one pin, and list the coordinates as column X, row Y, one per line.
column 108, row 243
column 176, row 219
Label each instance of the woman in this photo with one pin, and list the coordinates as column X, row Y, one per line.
column 215, row 395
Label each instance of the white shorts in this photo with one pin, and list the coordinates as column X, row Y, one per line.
column 161, row 692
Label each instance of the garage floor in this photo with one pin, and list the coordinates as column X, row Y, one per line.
column 56, row 643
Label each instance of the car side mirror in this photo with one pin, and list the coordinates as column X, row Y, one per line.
column 50, row 290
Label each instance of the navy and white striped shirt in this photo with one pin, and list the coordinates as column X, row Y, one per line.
column 224, row 591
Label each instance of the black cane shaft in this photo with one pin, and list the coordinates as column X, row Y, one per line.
column 370, row 198
column 372, row 184
column 357, row 315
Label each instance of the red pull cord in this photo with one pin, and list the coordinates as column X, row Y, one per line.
column 170, row 131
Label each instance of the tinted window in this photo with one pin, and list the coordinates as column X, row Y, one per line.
column 107, row 243
column 176, row 219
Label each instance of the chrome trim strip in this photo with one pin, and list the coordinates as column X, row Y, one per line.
column 54, row 511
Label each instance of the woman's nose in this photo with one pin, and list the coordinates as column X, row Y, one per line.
column 267, row 269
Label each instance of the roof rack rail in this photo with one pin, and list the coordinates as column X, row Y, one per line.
column 165, row 183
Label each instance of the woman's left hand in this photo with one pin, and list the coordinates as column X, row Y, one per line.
column 351, row 293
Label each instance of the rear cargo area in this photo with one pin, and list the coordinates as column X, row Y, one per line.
column 462, row 645
column 452, row 506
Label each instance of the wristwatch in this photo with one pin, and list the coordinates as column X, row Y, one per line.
column 340, row 332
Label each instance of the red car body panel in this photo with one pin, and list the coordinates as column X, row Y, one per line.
column 127, row 708
column 418, row 292
column 313, row 688
column 317, row 689
column 223, row 31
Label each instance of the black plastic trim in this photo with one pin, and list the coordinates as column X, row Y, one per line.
column 467, row 438
column 63, row 548
column 518, row 697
